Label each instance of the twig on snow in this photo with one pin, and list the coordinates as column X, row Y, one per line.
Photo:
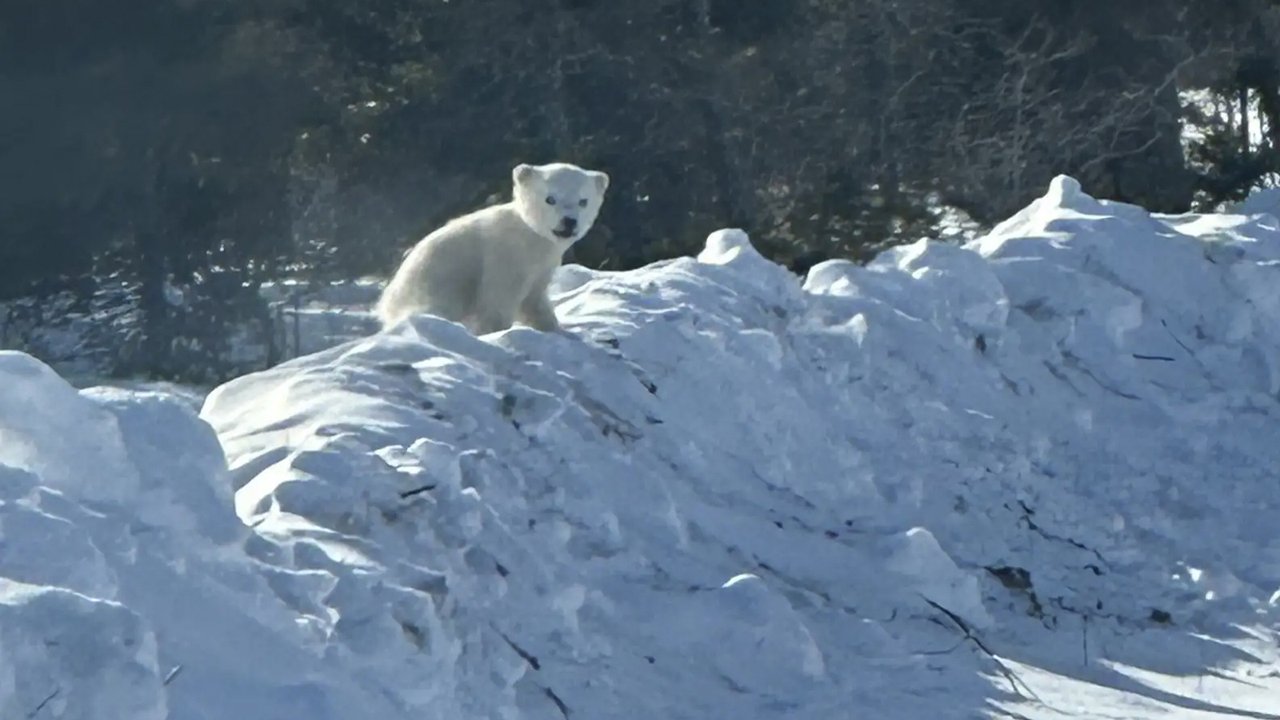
column 533, row 663
column 44, row 702
column 1084, row 637
column 524, row 654
column 564, row 709
column 948, row 651
column 406, row 494
column 1175, row 337
column 1012, row 677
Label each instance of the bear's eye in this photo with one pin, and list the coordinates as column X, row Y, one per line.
column 551, row 200
column 582, row 202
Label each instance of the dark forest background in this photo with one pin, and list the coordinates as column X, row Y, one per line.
column 169, row 156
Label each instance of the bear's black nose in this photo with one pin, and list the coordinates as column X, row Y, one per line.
column 569, row 223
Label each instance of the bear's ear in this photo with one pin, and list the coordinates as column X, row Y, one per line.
column 601, row 180
column 522, row 173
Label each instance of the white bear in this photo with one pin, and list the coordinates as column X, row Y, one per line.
column 491, row 268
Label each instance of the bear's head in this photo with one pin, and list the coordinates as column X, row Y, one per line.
column 559, row 201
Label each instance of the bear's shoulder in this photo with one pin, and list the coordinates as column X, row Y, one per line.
column 494, row 219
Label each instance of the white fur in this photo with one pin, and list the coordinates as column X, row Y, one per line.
column 491, row 268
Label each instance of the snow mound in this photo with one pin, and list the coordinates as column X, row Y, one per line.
column 736, row 494
column 1032, row 474
column 70, row 656
column 122, row 567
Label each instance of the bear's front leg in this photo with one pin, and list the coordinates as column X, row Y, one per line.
column 536, row 310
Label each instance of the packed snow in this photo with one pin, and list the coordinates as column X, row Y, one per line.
column 1033, row 476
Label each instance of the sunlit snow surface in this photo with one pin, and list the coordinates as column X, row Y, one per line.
column 728, row 493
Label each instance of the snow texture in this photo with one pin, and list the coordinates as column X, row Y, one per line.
column 1033, row 476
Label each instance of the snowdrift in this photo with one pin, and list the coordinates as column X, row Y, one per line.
column 1035, row 473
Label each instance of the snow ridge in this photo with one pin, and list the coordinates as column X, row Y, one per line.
column 729, row 494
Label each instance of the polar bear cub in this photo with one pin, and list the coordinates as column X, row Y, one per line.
column 490, row 269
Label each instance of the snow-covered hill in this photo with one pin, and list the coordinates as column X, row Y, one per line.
column 1034, row 477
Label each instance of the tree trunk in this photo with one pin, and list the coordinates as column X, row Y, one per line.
column 1245, row 131
column 1269, row 108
